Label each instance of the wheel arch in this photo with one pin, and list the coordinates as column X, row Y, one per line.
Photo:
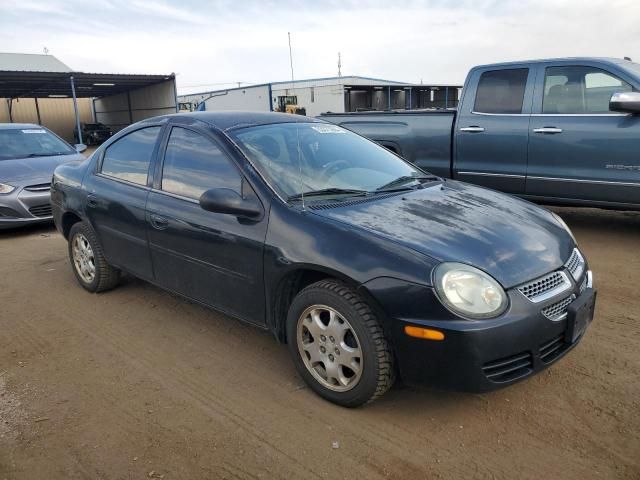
column 296, row 279
column 68, row 220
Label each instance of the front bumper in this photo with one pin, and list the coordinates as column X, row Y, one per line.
column 484, row 355
column 25, row 206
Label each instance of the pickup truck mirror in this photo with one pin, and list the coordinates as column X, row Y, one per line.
column 225, row 200
column 626, row 102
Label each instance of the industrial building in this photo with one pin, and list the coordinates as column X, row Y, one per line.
column 41, row 89
column 333, row 94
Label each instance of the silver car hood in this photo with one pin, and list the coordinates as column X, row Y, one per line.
column 24, row 169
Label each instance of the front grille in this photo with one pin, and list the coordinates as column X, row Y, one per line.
column 41, row 210
column 552, row 349
column 509, row 368
column 42, row 187
column 583, row 285
column 558, row 311
column 575, row 264
column 546, row 287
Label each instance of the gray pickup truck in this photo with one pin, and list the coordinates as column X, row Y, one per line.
column 562, row 131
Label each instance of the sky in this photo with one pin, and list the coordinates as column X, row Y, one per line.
column 215, row 44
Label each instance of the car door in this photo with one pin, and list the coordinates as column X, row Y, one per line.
column 213, row 258
column 578, row 149
column 492, row 128
column 116, row 199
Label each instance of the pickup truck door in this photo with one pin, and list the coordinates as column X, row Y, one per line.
column 213, row 258
column 492, row 128
column 578, row 149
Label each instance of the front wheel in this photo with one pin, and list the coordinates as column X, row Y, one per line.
column 338, row 345
column 87, row 260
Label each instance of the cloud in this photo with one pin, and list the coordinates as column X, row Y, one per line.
column 228, row 41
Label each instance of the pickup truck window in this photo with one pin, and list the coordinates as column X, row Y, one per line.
column 129, row 157
column 580, row 90
column 501, row 91
column 194, row 164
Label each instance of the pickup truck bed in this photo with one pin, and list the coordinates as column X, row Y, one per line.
column 421, row 136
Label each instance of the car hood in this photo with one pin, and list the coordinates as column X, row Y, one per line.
column 36, row 167
column 511, row 239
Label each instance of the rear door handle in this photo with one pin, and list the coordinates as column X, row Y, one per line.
column 158, row 222
column 472, row 129
column 548, row 130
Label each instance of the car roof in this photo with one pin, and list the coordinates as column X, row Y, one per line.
column 238, row 119
column 609, row 60
column 18, row 126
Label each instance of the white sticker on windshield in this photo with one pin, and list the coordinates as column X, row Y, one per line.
column 328, row 129
column 33, row 131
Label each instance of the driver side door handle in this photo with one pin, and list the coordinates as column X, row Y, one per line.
column 547, row 130
column 158, row 222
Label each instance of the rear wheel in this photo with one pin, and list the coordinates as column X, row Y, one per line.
column 338, row 345
column 87, row 260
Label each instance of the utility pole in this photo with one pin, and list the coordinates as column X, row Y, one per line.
column 290, row 56
column 339, row 65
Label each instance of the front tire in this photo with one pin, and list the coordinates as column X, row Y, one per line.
column 87, row 260
column 338, row 346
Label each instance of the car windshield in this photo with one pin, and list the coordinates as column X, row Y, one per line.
column 30, row 142
column 323, row 159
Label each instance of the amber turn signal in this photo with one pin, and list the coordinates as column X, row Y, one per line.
column 425, row 333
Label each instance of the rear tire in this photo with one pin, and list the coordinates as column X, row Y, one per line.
column 338, row 345
column 87, row 260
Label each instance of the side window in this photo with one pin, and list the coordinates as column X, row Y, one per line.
column 501, row 91
column 194, row 164
column 129, row 157
column 585, row 90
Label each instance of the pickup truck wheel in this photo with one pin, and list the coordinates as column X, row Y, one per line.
column 338, row 346
column 87, row 260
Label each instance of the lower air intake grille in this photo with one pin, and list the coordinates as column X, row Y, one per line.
column 550, row 350
column 509, row 368
column 558, row 310
column 41, row 210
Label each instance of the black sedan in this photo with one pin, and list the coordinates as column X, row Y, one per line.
column 366, row 266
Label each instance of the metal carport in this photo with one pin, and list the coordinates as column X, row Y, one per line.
column 118, row 99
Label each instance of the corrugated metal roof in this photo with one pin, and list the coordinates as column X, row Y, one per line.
column 27, row 62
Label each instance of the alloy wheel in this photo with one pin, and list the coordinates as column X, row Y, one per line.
column 329, row 348
column 83, row 258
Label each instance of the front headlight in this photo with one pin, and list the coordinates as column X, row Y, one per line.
column 468, row 291
column 564, row 225
column 4, row 188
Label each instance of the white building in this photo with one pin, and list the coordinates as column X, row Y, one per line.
column 320, row 95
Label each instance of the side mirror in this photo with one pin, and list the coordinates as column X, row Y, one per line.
column 224, row 200
column 80, row 147
column 626, row 102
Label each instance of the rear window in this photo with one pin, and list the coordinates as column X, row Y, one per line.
column 501, row 91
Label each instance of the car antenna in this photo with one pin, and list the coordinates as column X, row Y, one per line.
column 300, row 166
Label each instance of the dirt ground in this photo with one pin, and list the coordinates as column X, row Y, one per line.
column 138, row 384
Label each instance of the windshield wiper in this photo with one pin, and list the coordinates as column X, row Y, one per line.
column 394, row 184
column 51, row 154
column 327, row 191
